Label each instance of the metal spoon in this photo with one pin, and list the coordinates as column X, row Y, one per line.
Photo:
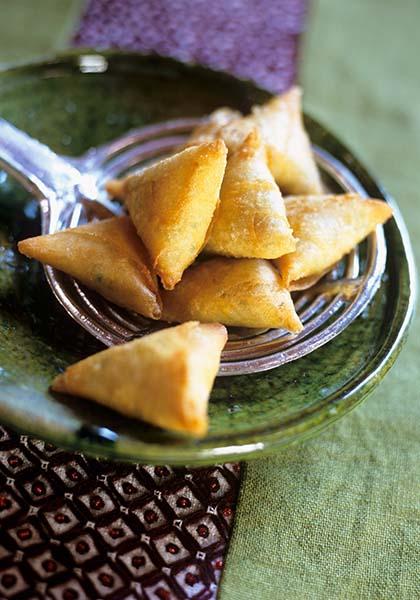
column 71, row 191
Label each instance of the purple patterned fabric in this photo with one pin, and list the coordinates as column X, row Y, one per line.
column 255, row 39
column 74, row 528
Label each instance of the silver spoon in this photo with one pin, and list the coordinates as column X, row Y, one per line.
column 71, row 191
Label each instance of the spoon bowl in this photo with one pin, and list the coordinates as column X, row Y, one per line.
column 72, row 192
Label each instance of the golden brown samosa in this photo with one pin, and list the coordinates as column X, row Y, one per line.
column 209, row 129
column 116, row 188
column 251, row 219
column 164, row 378
column 327, row 228
column 242, row 292
column 289, row 153
column 307, row 282
column 106, row 256
column 226, row 124
column 172, row 204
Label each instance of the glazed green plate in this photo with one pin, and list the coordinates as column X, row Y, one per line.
column 71, row 107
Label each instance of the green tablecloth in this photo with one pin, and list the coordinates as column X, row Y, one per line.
column 33, row 28
column 339, row 517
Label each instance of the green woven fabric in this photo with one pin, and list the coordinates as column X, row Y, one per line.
column 338, row 517
column 34, row 28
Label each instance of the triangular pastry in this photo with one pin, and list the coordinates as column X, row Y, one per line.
column 226, row 124
column 206, row 132
column 289, row 153
column 164, row 378
column 243, row 292
column 327, row 228
column 116, row 188
column 172, row 204
column 209, row 129
column 307, row 282
column 106, row 256
column 251, row 219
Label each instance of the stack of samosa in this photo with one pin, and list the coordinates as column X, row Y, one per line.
column 219, row 200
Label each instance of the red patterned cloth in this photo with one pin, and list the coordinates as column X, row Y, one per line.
column 74, row 528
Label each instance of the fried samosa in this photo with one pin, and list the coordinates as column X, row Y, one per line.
column 164, row 378
column 243, row 292
column 106, row 256
column 327, row 228
column 116, row 188
column 289, row 153
column 251, row 219
column 172, row 204
column 226, row 124
column 209, row 130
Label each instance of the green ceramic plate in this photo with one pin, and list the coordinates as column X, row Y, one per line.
column 71, row 107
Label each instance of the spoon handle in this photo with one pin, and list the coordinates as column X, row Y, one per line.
column 37, row 167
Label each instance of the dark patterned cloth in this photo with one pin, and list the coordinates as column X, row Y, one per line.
column 74, row 528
